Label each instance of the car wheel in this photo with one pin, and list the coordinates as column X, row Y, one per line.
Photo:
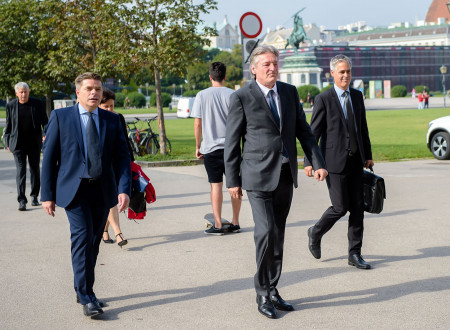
column 440, row 145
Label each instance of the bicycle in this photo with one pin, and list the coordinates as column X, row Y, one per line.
column 149, row 143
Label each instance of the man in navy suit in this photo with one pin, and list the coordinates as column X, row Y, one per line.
column 266, row 118
column 86, row 171
column 339, row 122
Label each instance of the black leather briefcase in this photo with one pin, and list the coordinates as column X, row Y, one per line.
column 374, row 192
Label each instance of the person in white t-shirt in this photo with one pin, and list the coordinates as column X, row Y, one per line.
column 210, row 111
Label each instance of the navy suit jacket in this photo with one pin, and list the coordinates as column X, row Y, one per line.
column 64, row 161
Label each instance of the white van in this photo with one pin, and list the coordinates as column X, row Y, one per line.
column 184, row 107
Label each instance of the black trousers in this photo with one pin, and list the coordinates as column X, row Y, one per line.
column 34, row 158
column 87, row 215
column 346, row 194
column 270, row 210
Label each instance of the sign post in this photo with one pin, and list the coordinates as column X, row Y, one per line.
column 251, row 26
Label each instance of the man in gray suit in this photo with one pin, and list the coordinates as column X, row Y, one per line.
column 267, row 116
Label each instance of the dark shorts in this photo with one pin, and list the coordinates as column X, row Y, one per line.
column 215, row 166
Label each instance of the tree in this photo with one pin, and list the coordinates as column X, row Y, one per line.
column 303, row 91
column 21, row 58
column 166, row 36
column 399, row 91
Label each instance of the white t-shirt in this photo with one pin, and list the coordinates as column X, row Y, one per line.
column 211, row 105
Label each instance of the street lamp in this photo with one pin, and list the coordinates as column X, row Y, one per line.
column 327, row 75
column 443, row 71
column 146, row 85
column 448, row 6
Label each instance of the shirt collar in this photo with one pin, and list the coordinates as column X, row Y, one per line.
column 340, row 92
column 82, row 110
column 266, row 90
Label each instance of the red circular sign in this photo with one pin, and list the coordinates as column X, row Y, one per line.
column 250, row 24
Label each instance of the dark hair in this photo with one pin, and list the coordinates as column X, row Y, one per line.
column 87, row 75
column 217, row 71
column 108, row 95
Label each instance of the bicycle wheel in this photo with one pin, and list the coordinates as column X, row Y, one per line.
column 151, row 146
column 168, row 146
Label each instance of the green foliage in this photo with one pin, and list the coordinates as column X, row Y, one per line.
column 191, row 93
column 166, row 99
column 420, row 88
column 326, row 88
column 303, row 91
column 137, row 99
column 367, row 93
column 120, row 99
column 398, row 91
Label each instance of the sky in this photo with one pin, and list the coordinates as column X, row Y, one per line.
column 331, row 13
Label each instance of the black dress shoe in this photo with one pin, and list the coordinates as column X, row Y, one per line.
column 314, row 246
column 109, row 240
column 99, row 302
column 357, row 260
column 22, row 206
column 280, row 303
column 92, row 309
column 265, row 307
column 35, row 201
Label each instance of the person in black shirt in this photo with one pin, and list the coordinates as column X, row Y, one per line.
column 25, row 121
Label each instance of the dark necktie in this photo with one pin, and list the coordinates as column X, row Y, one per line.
column 93, row 149
column 351, row 124
column 276, row 116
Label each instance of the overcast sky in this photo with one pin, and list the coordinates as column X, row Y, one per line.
column 330, row 13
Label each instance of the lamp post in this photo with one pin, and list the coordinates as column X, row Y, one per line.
column 327, row 75
column 146, row 86
column 443, row 71
column 448, row 6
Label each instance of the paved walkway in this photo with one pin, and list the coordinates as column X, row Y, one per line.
column 172, row 276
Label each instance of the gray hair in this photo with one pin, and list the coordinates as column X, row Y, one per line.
column 263, row 49
column 339, row 58
column 21, row 85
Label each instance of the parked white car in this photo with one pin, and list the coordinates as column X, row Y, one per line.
column 184, row 107
column 438, row 137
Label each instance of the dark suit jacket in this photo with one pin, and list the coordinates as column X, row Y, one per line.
column 329, row 126
column 64, row 160
column 251, row 120
column 39, row 119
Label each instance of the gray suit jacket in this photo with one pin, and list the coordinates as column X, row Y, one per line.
column 250, row 120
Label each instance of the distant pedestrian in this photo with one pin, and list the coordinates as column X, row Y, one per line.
column 413, row 93
column 25, row 122
column 426, row 98
column 210, row 111
column 420, row 99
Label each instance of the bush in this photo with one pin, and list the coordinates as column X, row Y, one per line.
column 326, row 87
column 120, row 99
column 420, row 88
column 398, row 91
column 136, row 99
column 303, row 91
column 166, row 99
column 191, row 93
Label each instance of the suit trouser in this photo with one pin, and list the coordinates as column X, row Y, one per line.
column 34, row 158
column 346, row 194
column 87, row 215
column 270, row 210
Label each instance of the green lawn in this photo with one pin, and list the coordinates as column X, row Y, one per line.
column 395, row 135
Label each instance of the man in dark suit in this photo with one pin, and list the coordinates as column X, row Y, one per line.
column 266, row 115
column 25, row 121
column 339, row 123
column 84, row 154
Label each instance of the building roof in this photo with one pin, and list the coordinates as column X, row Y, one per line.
column 438, row 9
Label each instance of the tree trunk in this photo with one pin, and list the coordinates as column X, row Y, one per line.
column 159, row 107
column 48, row 104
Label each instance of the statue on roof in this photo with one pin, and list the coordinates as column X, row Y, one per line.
column 298, row 34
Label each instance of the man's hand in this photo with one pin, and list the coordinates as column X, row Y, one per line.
column 320, row 174
column 369, row 163
column 235, row 192
column 124, row 201
column 49, row 207
column 308, row 171
column 198, row 154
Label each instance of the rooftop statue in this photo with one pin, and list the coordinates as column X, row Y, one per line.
column 298, row 34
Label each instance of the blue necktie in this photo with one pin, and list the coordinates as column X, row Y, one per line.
column 93, row 149
column 276, row 116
